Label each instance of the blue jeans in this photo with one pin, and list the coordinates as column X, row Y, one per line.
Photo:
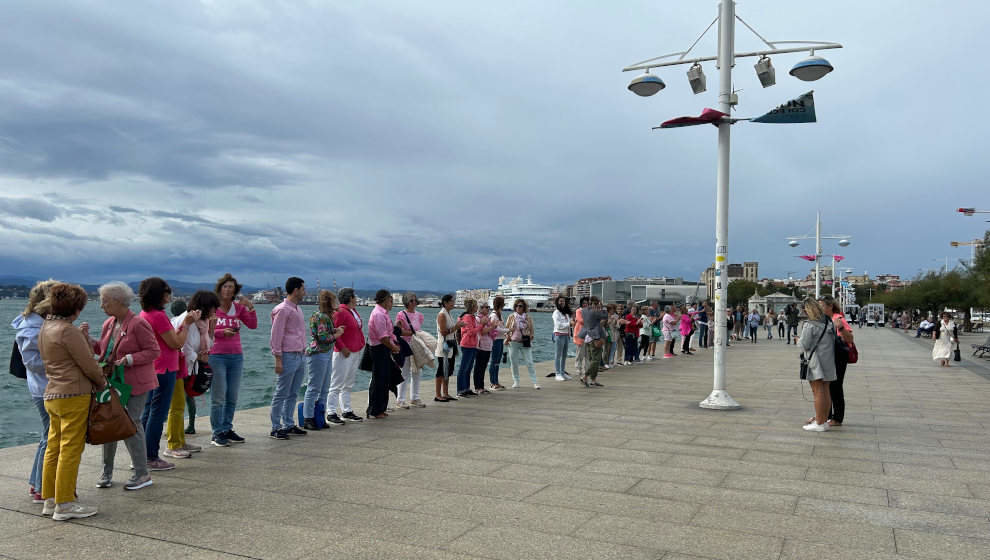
column 560, row 352
column 320, row 366
column 464, row 372
column 521, row 356
column 497, row 346
column 227, row 372
column 39, row 455
column 287, row 390
column 156, row 411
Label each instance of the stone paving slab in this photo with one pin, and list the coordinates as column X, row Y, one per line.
column 631, row 470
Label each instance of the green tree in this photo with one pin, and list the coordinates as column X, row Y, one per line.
column 739, row 292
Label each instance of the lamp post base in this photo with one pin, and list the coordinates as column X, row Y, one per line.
column 720, row 400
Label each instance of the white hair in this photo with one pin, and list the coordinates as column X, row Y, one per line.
column 117, row 291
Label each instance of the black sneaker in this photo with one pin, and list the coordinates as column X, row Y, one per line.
column 551, row 374
column 310, row 424
column 233, row 437
column 278, row 434
column 351, row 417
column 295, row 431
column 334, row 420
column 220, row 440
column 467, row 394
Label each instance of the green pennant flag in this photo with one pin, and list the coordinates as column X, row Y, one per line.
column 800, row 110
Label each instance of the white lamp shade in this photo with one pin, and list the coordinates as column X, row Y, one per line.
column 843, row 243
column 793, row 243
column 811, row 69
column 646, row 85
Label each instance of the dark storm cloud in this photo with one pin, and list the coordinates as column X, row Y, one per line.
column 29, row 208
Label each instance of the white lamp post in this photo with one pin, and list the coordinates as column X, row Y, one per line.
column 647, row 84
column 794, row 241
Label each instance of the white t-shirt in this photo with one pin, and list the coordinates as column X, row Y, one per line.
column 647, row 328
column 561, row 323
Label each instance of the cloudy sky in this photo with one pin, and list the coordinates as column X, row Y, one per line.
column 441, row 144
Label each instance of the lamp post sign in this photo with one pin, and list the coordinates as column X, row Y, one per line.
column 647, row 84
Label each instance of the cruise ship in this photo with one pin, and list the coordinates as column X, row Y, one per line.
column 536, row 295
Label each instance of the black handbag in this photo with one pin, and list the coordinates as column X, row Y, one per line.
column 17, row 368
column 956, row 354
column 803, row 374
column 366, row 363
column 527, row 341
column 201, row 381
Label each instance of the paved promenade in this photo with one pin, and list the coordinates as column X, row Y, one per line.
column 632, row 470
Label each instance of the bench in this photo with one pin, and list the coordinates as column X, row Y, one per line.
column 981, row 349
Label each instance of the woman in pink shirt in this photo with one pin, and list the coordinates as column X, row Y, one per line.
column 470, row 330
column 382, row 344
column 410, row 321
column 227, row 359
column 484, row 347
column 687, row 322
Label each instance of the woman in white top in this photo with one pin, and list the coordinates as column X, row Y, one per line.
column 645, row 332
column 195, row 349
column 446, row 350
column 561, row 336
column 946, row 336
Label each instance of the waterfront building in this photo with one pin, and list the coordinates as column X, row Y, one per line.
column 777, row 301
column 477, row 294
column 748, row 270
column 664, row 290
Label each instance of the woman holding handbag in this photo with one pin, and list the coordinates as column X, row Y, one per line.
column 73, row 377
column 193, row 354
column 127, row 340
column 446, row 350
column 410, row 321
column 519, row 334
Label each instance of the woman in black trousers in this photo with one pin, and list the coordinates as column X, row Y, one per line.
column 382, row 344
column 843, row 331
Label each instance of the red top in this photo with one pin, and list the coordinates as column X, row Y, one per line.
column 578, row 326
column 353, row 338
column 168, row 360
column 840, row 321
column 469, row 331
column 632, row 324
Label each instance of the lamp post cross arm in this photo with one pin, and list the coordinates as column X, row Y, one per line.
column 653, row 62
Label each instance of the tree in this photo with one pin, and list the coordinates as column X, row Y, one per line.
column 739, row 292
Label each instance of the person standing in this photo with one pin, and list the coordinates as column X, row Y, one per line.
column 382, row 343
column 753, row 322
column 409, row 321
column 561, row 336
column 594, row 335
column 612, row 342
column 446, row 350
column 631, row 324
column 686, row 326
column 581, row 354
column 195, row 351
column 319, row 357
column 946, row 335
column 469, row 347
column 702, row 319
column 817, row 343
column 154, row 294
column 844, row 332
column 227, row 359
column 668, row 325
column 73, row 376
column 768, row 323
column 346, row 359
column 484, row 347
column 498, row 342
column 792, row 322
column 128, row 341
column 645, row 332
column 287, row 342
column 519, row 331
column 28, row 324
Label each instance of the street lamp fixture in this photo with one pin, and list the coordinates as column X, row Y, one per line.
column 811, row 69
column 647, row 84
column 793, row 241
column 765, row 72
column 696, row 77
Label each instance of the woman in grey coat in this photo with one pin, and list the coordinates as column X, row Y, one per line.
column 817, row 334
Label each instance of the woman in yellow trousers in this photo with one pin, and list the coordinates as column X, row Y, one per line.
column 196, row 349
column 73, row 376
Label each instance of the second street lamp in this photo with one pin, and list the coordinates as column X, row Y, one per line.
column 648, row 84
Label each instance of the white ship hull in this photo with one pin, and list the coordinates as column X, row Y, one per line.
column 536, row 296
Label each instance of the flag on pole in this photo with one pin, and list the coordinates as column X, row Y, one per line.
column 807, row 257
column 839, row 258
column 800, row 110
column 708, row 116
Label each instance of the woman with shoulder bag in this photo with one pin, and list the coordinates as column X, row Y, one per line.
column 128, row 340
column 817, row 343
column 73, row 377
column 446, row 351
column 498, row 342
column 946, row 336
column 843, row 343
column 519, row 335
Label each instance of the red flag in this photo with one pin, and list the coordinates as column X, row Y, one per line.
column 708, row 116
column 839, row 258
column 807, row 257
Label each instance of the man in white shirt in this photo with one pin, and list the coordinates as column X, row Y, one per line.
column 925, row 328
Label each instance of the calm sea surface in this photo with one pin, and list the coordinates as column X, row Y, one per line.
column 19, row 423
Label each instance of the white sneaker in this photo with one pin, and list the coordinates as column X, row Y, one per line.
column 814, row 427
column 515, row 385
column 567, row 377
column 176, row 453
column 402, row 404
column 560, row 377
column 627, row 363
column 535, row 386
column 72, row 510
column 49, row 507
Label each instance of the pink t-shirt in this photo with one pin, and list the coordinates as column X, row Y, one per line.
column 168, row 360
column 415, row 317
column 239, row 315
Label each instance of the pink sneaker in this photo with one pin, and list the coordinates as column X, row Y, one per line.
column 159, row 465
column 666, row 356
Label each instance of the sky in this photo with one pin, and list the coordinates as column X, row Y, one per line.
column 439, row 145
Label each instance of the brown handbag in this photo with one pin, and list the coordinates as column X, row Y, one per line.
column 108, row 421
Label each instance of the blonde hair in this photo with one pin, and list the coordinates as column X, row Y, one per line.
column 813, row 310
column 327, row 301
column 37, row 296
column 470, row 305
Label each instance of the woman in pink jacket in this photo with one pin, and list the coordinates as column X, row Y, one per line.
column 128, row 340
column 687, row 325
column 470, row 330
